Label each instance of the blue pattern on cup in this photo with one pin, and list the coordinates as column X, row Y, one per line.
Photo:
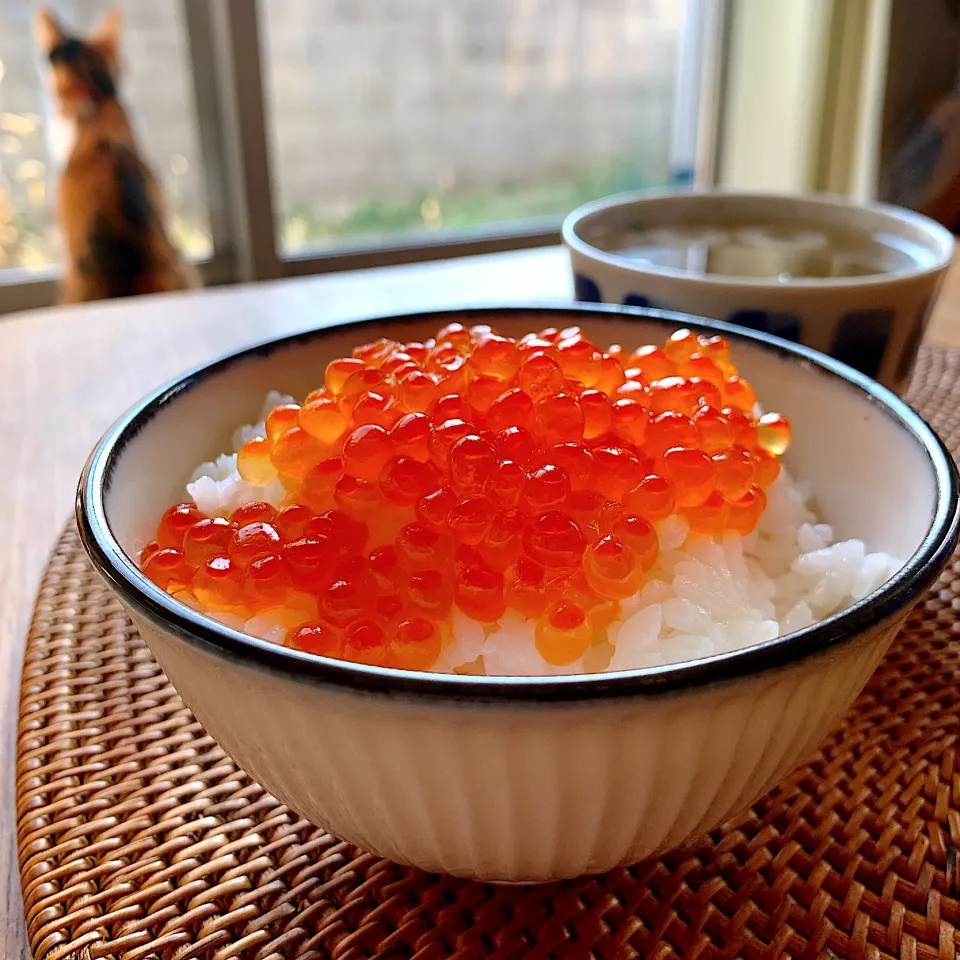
column 860, row 339
column 637, row 300
column 914, row 338
column 586, row 289
column 783, row 325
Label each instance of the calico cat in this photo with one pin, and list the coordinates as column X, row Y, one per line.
column 111, row 207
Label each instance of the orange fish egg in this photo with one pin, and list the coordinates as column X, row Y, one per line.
column 630, row 420
column 457, row 336
column 267, row 583
column 295, row 452
column 744, row 514
column 376, row 352
column 479, row 593
column 479, row 472
column 411, row 436
column 281, row 419
column 254, row 463
column 356, row 497
column 517, row 444
column 545, row 488
column 598, row 413
column 681, row 345
column 559, row 419
column 398, row 363
column 417, row 645
column 704, row 368
column 431, row 591
column 611, row 374
column 471, row 462
column 290, row 522
column 580, row 360
column 503, row 543
column 320, row 483
column 469, row 519
column 418, row 390
column 320, row 639
column 496, row 357
column 618, row 470
column 207, row 538
column 504, row 484
column 257, row 511
column 714, row 432
column 585, row 507
column 773, row 433
column 653, row 363
column 673, row 394
column 669, row 429
column 554, row 540
column 420, row 546
column 541, row 376
column 338, row 372
column 175, row 523
column 368, row 380
column 576, row 461
column 366, row 452
column 744, row 429
column 405, row 480
column 524, row 587
column 563, row 634
column 376, row 408
column 739, row 393
column 653, row 498
column 433, row 509
column 218, row 584
column 512, row 408
column 481, row 394
column 323, row 420
column 251, row 542
column 612, row 569
column 365, row 642
column 718, row 350
column 709, row 517
column 309, row 562
column 443, row 438
column 639, row 535
column 692, row 473
column 767, row 467
column 167, row 567
column 147, row 552
column 451, row 406
column 736, row 472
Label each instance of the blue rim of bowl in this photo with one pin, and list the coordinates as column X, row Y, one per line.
column 144, row 597
column 573, row 240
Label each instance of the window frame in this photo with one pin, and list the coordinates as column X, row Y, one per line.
column 225, row 59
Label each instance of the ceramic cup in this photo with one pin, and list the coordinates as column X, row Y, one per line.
column 873, row 323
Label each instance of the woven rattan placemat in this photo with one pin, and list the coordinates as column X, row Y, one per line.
column 139, row 838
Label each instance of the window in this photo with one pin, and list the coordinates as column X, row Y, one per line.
column 393, row 117
column 154, row 45
column 294, row 136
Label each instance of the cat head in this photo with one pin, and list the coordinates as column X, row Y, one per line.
column 83, row 71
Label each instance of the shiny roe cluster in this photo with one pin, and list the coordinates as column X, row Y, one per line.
column 478, row 472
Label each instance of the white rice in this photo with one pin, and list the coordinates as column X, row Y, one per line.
column 705, row 596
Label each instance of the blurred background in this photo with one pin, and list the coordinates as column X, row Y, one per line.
column 299, row 136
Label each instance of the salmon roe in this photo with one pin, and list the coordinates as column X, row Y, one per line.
column 472, row 474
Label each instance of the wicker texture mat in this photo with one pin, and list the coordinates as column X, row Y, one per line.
column 139, row 838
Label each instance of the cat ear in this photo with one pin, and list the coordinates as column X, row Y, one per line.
column 106, row 37
column 48, row 31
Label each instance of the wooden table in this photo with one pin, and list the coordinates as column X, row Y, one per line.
column 67, row 373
